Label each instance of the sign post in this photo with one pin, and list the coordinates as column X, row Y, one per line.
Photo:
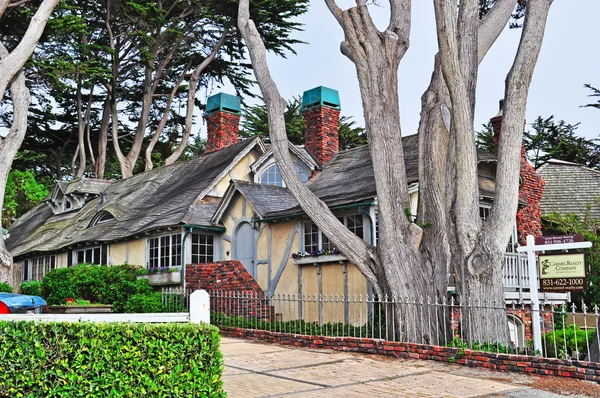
column 545, row 243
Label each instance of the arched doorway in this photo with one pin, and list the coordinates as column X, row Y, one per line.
column 244, row 247
column 516, row 330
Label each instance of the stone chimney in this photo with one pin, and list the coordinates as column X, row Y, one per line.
column 321, row 109
column 529, row 217
column 223, row 121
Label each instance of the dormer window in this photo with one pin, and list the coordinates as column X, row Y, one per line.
column 271, row 175
column 104, row 217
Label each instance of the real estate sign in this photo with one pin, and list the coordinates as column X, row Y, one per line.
column 563, row 273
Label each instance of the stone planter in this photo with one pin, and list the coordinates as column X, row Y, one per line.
column 79, row 309
column 163, row 278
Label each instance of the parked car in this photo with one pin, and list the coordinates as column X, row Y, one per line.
column 12, row 303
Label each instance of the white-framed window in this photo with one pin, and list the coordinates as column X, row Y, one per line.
column 35, row 268
column 315, row 239
column 271, row 175
column 90, row 255
column 164, row 251
column 203, row 248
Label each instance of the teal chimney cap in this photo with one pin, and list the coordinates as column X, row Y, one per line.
column 224, row 102
column 321, row 96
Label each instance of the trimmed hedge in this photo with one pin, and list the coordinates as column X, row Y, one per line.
column 32, row 288
column 98, row 284
column 109, row 360
column 5, row 288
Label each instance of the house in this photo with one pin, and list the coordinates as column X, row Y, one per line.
column 231, row 204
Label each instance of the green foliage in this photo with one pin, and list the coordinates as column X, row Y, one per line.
column 255, row 123
column 23, row 192
column 549, row 139
column 485, row 138
column 561, row 343
column 116, row 360
column 557, row 140
column 145, row 303
column 5, row 288
column 595, row 93
column 32, row 288
column 99, row 284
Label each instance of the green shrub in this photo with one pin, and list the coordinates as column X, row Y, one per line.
column 116, row 360
column 144, row 303
column 33, row 288
column 561, row 343
column 5, row 288
column 98, row 284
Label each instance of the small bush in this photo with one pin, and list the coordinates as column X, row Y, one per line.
column 32, row 288
column 5, row 288
column 117, row 360
column 561, row 343
column 97, row 284
column 144, row 303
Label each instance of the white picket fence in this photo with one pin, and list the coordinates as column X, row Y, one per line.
column 199, row 313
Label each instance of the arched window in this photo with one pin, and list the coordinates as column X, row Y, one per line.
column 271, row 175
column 103, row 217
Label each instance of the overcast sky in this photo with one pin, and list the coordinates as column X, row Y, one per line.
column 570, row 58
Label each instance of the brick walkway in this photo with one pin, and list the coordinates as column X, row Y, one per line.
column 259, row 370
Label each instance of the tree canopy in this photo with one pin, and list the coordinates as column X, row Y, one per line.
column 550, row 139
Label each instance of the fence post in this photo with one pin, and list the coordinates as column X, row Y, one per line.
column 200, row 307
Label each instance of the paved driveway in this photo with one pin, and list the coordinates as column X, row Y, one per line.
column 261, row 370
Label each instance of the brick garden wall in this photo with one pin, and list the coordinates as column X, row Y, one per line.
column 501, row 362
column 228, row 282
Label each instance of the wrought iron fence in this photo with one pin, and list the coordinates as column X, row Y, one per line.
column 568, row 332
column 176, row 299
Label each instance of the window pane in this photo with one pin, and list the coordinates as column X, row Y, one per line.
column 202, row 251
column 271, row 176
column 153, row 252
column 96, row 258
column 80, row 256
column 176, row 250
column 301, row 173
column 165, row 246
column 311, row 237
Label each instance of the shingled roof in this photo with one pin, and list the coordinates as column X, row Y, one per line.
column 347, row 179
column 164, row 197
column 569, row 188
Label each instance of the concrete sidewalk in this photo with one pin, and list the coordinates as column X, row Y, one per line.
column 260, row 370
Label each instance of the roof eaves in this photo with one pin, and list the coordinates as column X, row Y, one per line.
column 236, row 160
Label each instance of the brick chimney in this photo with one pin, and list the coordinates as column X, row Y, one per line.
column 529, row 217
column 321, row 109
column 223, row 121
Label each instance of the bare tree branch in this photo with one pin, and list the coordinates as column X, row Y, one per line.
column 400, row 19
column 357, row 251
column 13, row 62
column 187, row 129
column 511, row 137
column 335, row 10
column 492, row 24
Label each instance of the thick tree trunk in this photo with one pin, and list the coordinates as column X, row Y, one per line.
column 8, row 149
column 103, row 139
column 81, row 133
